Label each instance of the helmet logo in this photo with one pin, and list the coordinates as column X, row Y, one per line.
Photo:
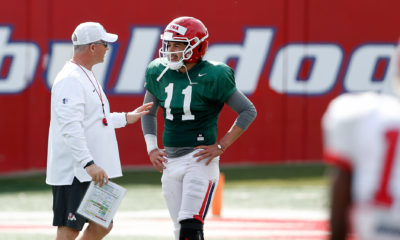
column 177, row 28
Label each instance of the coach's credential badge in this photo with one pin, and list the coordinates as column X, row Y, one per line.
column 200, row 137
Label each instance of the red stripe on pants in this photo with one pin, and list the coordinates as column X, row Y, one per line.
column 201, row 213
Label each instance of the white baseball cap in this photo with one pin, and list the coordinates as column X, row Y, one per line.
column 90, row 32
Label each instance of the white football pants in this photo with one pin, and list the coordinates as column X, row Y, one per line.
column 188, row 187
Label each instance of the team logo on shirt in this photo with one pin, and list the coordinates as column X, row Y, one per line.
column 202, row 74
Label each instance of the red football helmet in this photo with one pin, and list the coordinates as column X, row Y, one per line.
column 189, row 30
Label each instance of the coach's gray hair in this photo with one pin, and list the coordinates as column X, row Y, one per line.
column 79, row 48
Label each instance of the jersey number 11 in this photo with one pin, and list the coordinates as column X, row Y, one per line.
column 187, row 92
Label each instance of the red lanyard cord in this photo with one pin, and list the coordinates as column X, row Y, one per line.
column 105, row 123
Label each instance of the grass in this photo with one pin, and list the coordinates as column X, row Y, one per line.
column 279, row 174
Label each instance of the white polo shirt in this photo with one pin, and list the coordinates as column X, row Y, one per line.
column 77, row 134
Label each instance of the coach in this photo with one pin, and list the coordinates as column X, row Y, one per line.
column 82, row 144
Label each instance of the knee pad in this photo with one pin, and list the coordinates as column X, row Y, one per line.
column 191, row 229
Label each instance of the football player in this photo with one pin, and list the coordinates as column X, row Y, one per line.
column 361, row 139
column 192, row 92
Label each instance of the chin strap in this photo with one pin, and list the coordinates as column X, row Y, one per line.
column 187, row 74
column 162, row 73
column 166, row 69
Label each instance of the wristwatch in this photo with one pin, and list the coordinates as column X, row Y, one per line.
column 89, row 164
column 220, row 147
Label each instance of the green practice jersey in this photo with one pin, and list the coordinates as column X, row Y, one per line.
column 191, row 110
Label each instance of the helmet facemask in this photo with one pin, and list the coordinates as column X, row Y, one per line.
column 186, row 54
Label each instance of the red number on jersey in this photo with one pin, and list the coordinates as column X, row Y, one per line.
column 382, row 197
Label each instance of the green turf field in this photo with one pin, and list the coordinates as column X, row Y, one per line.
column 289, row 186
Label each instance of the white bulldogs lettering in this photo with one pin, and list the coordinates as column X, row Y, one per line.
column 251, row 58
column 141, row 50
column 323, row 73
column 363, row 64
column 24, row 61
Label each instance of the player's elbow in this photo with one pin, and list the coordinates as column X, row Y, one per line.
column 246, row 117
column 252, row 112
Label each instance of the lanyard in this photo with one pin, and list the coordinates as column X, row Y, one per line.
column 104, row 121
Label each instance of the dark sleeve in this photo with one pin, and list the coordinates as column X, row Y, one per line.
column 149, row 121
column 239, row 103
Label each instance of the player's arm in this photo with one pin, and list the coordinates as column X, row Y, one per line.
column 340, row 203
column 338, row 124
column 246, row 111
column 149, row 128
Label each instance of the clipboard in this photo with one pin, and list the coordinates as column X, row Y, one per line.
column 101, row 203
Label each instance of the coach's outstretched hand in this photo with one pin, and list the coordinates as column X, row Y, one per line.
column 132, row 117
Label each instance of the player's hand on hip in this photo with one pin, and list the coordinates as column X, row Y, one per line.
column 158, row 158
column 135, row 115
column 99, row 176
column 208, row 152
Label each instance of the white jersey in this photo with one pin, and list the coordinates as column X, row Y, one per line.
column 362, row 134
column 76, row 134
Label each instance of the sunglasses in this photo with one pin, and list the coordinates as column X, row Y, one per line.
column 105, row 44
